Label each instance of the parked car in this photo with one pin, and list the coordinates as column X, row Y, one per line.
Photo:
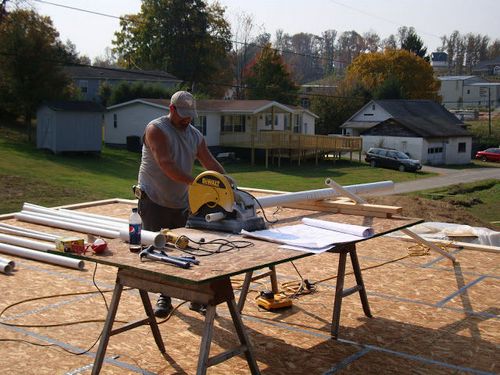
column 490, row 154
column 388, row 158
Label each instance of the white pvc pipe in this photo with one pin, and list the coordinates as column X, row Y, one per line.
column 41, row 256
column 11, row 229
column 47, row 212
column 9, row 262
column 5, row 267
column 109, row 221
column 24, row 242
column 147, row 237
column 67, row 225
column 97, row 216
column 277, row 200
column 215, row 216
column 51, row 216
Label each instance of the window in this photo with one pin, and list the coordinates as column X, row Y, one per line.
column 434, row 150
column 373, row 107
column 200, row 123
column 286, row 125
column 461, row 147
column 115, row 120
column 232, row 123
column 83, row 84
column 367, row 114
column 468, row 91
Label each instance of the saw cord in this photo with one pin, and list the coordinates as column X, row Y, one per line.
column 215, row 246
column 261, row 208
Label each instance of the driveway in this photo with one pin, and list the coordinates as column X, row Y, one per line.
column 446, row 177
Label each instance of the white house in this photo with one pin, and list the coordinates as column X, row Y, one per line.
column 69, row 126
column 421, row 128
column 216, row 118
column 458, row 92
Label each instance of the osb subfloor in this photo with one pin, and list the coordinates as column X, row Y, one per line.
column 429, row 317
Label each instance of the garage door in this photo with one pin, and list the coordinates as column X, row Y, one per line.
column 435, row 154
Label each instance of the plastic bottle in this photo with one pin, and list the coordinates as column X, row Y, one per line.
column 134, row 231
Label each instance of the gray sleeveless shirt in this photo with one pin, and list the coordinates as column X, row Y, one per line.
column 182, row 147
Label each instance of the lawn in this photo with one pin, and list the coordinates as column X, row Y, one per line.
column 38, row 176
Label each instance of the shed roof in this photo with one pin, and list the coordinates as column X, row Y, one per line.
column 74, row 106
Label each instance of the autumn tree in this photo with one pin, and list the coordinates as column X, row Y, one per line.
column 268, row 78
column 186, row 38
column 30, row 63
column 414, row 74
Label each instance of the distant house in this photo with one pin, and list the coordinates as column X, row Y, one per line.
column 69, row 126
column 487, row 67
column 462, row 92
column 439, row 61
column 217, row 119
column 90, row 78
column 311, row 90
column 421, row 128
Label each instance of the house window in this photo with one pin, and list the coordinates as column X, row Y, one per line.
column 115, row 120
column 367, row 114
column 83, row 84
column 373, row 107
column 461, row 147
column 200, row 123
column 305, row 102
column 468, row 91
column 434, row 150
column 232, row 123
column 286, row 125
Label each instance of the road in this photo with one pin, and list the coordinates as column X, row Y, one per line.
column 446, row 177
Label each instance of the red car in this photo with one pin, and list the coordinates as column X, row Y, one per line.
column 490, row 154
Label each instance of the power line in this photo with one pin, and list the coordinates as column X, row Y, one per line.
column 121, row 18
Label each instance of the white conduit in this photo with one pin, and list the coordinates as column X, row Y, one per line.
column 5, row 267
column 41, row 256
column 12, row 229
column 277, row 200
column 24, row 242
column 102, row 217
column 122, row 232
column 73, row 217
column 53, row 216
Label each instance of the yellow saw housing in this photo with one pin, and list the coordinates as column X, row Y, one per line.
column 211, row 189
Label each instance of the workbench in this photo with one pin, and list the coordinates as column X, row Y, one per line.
column 210, row 282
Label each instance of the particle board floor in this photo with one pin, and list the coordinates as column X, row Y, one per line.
column 430, row 317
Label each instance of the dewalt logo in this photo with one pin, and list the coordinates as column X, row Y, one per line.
column 210, row 182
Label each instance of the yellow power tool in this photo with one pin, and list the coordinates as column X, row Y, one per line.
column 215, row 203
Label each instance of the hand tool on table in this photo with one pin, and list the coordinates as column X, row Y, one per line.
column 159, row 255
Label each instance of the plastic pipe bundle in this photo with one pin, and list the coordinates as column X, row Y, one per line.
column 277, row 200
column 41, row 256
column 99, row 226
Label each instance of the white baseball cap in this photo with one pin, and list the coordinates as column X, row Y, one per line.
column 184, row 104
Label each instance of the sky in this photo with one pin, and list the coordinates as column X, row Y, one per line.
column 92, row 33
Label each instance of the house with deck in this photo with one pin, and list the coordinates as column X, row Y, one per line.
column 281, row 131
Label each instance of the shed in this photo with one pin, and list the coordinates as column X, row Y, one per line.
column 69, row 126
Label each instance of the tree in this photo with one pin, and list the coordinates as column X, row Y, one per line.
column 413, row 73
column 268, row 78
column 413, row 43
column 125, row 91
column 30, row 69
column 186, row 38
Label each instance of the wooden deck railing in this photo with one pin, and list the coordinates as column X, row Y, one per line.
column 300, row 145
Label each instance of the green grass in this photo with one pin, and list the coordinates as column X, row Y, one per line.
column 481, row 198
column 38, row 176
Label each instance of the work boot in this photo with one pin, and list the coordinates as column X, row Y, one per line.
column 163, row 306
column 198, row 307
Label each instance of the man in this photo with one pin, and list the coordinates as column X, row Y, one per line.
column 171, row 146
